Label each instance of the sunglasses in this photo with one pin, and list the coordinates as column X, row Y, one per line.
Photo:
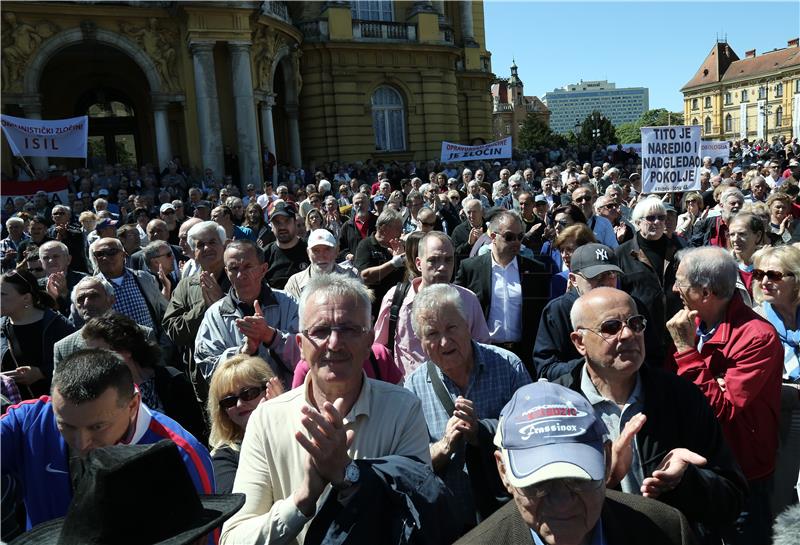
column 245, row 394
column 656, row 217
column 772, row 276
column 111, row 252
column 585, row 198
column 611, row 328
column 511, row 237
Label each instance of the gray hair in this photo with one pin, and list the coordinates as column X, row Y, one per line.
column 340, row 286
column 389, row 216
column 114, row 242
column 87, row 280
column 614, row 187
column 503, row 217
column 152, row 249
column 732, row 191
column 54, row 244
column 648, row 206
column 203, row 228
column 786, row 530
column 470, row 202
column 710, row 267
column 61, row 207
column 435, row 298
column 601, row 202
column 14, row 221
column 466, row 171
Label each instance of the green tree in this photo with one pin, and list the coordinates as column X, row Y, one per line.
column 630, row 133
column 597, row 129
column 534, row 133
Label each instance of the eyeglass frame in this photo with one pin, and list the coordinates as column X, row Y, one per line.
column 772, row 276
column 626, row 322
column 352, row 329
column 241, row 395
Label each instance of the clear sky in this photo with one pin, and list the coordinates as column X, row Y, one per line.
column 658, row 45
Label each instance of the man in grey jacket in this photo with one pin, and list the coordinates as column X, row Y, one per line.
column 251, row 319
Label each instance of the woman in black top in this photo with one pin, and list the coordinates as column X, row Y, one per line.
column 29, row 328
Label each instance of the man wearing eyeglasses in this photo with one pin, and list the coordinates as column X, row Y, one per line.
column 307, row 441
column 512, row 289
column 667, row 442
column 554, row 460
column 583, row 197
column 63, row 231
column 735, row 359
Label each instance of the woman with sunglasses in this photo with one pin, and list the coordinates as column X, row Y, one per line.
column 29, row 327
column 238, row 386
column 163, row 388
column 776, row 288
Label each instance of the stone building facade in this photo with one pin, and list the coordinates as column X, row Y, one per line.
column 757, row 97
column 308, row 81
column 510, row 107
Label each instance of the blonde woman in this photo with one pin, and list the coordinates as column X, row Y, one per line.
column 238, row 386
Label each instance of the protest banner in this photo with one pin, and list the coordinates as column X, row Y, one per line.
column 670, row 159
column 57, row 189
column 453, row 153
column 46, row 138
column 708, row 148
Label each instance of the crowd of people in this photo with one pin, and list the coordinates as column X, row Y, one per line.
column 361, row 350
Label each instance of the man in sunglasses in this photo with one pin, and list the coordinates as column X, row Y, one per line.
column 554, row 460
column 679, row 454
column 736, row 360
column 512, row 289
column 583, row 198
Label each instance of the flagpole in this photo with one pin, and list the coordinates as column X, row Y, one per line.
column 28, row 167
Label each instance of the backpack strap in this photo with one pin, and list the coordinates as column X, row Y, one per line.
column 400, row 292
column 375, row 368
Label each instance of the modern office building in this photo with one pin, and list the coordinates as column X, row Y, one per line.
column 510, row 107
column 755, row 97
column 308, row 81
column 570, row 105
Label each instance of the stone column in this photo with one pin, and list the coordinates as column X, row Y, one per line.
column 268, row 131
column 294, row 136
column 33, row 110
column 245, row 107
column 208, row 123
column 161, row 124
column 467, row 29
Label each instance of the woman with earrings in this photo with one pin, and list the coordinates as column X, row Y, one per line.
column 29, row 327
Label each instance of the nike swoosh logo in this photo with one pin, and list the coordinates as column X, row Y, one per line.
column 51, row 469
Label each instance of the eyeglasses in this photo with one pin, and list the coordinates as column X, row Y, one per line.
column 656, row 217
column 168, row 212
column 322, row 333
column 245, row 394
column 111, row 252
column 508, row 236
column 59, row 213
column 575, row 486
column 610, row 206
column 772, row 276
column 611, row 328
column 583, row 198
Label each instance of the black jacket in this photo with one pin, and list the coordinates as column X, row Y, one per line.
column 627, row 519
column 460, row 238
column 349, row 236
column 176, row 392
column 475, row 274
column 678, row 415
column 555, row 355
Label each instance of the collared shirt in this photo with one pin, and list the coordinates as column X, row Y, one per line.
column 615, row 418
column 386, row 420
column 408, row 353
column 598, row 536
column 361, row 225
column 505, row 312
column 496, row 375
column 704, row 336
column 130, row 300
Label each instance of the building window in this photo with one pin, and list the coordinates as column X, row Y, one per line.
column 762, row 92
column 708, row 102
column 728, row 98
column 388, row 119
column 694, row 104
column 779, row 90
column 728, row 123
column 695, row 122
column 707, row 126
column 744, row 95
column 779, row 116
column 373, row 10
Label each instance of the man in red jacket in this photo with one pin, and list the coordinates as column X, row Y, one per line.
column 736, row 359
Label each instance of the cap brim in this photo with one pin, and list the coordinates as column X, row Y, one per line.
column 526, row 467
column 594, row 270
column 284, row 214
column 216, row 510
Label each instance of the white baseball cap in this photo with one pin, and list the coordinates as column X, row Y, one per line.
column 321, row 237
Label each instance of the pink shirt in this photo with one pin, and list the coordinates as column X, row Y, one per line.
column 408, row 353
column 389, row 372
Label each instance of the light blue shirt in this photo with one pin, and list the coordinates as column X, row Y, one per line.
column 603, row 230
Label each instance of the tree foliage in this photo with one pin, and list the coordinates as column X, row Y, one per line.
column 630, row 133
column 534, row 133
column 597, row 129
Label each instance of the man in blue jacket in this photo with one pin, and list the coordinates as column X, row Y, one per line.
column 94, row 404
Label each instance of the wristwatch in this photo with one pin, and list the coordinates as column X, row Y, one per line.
column 351, row 476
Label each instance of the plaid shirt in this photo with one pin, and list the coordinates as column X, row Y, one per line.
column 130, row 300
column 496, row 375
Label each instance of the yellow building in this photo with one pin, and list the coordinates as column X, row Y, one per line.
column 510, row 107
column 309, row 81
column 757, row 97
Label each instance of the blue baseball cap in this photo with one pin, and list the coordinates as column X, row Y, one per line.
column 547, row 431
